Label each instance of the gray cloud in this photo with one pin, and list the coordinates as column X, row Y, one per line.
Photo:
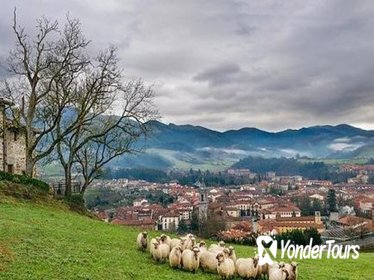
column 230, row 64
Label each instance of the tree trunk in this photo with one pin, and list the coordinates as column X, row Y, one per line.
column 84, row 187
column 67, row 170
column 29, row 165
column 29, row 151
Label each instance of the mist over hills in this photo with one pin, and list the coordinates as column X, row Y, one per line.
column 186, row 146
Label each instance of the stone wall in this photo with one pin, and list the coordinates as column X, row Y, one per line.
column 15, row 150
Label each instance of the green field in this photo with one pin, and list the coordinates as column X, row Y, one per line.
column 42, row 239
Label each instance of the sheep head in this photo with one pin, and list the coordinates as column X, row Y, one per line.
column 294, row 266
column 163, row 237
column 231, row 250
column 196, row 251
column 145, row 234
column 193, row 240
column 221, row 243
column 178, row 251
column 285, row 271
column 220, row 258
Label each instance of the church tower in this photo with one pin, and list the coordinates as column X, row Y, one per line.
column 203, row 202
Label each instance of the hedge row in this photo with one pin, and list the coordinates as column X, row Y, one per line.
column 25, row 180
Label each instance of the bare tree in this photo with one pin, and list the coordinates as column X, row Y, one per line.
column 38, row 65
column 76, row 109
column 107, row 116
column 119, row 135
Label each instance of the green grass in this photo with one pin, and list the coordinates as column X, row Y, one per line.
column 44, row 240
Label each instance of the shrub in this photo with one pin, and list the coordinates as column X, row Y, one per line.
column 300, row 237
column 25, row 180
column 76, row 203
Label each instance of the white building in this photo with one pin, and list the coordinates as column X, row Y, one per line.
column 168, row 222
column 282, row 211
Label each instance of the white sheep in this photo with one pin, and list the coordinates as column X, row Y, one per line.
column 142, row 241
column 217, row 248
column 151, row 244
column 161, row 252
column 263, row 271
column 232, row 254
column 202, row 246
column 153, row 247
column 190, row 259
column 247, row 267
column 165, row 239
column 175, row 257
column 191, row 243
column 277, row 272
column 184, row 241
column 226, row 252
column 208, row 261
column 175, row 242
column 226, row 266
column 292, row 270
column 188, row 236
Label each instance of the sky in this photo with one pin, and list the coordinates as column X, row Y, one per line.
column 231, row 64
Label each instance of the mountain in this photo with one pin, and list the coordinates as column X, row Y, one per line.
column 188, row 146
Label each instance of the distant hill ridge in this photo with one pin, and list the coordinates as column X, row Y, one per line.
column 188, row 146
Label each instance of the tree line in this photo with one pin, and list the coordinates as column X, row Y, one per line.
column 292, row 166
column 207, row 177
column 184, row 178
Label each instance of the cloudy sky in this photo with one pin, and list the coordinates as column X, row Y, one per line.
column 232, row 64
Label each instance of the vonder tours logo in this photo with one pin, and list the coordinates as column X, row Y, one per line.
column 267, row 250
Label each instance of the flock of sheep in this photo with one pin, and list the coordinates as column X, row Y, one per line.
column 185, row 253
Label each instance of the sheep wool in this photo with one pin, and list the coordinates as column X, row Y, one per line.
column 247, row 267
column 263, row 270
column 292, row 270
column 226, row 266
column 151, row 245
column 184, row 241
column 217, row 248
column 208, row 261
column 165, row 239
column 142, row 241
column 277, row 272
column 191, row 243
column 175, row 242
column 190, row 259
column 232, row 254
column 175, row 257
column 161, row 252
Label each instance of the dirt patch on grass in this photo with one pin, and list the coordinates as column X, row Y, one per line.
column 6, row 256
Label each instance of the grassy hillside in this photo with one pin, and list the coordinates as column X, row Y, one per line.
column 42, row 239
